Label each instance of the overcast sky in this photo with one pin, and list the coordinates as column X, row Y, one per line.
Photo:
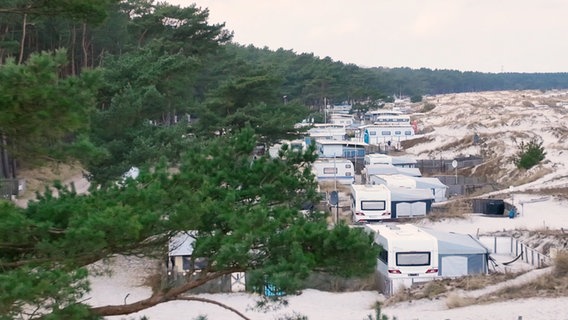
column 465, row 35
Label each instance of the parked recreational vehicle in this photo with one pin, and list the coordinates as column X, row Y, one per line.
column 298, row 145
column 409, row 255
column 370, row 202
column 377, row 158
column 334, row 170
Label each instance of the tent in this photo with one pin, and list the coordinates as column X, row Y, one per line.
column 407, row 202
column 460, row 254
column 438, row 188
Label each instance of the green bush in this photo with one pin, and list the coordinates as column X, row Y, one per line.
column 416, row 98
column 529, row 154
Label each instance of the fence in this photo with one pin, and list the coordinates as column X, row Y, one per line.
column 437, row 166
column 516, row 248
column 10, row 187
column 221, row 284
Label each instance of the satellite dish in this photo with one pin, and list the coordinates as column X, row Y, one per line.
column 455, row 164
column 333, row 198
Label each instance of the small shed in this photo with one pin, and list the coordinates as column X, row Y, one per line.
column 180, row 249
column 489, row 206
column 439, row 189
column 460, row 254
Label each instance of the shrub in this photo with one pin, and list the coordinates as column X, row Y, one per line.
column 378, row 314
column 434, row 288
column 416, row 98
column 561, row 264
column 427, row 107
column 529, row 154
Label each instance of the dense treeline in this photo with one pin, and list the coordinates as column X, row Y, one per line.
column 158, row 65
column 310, row 78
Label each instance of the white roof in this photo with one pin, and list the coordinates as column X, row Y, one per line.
column 181, row 244
column 342, row 142
column 403, row 234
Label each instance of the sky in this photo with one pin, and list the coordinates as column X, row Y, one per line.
column 466, row 35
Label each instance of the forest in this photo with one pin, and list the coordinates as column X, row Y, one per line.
column 145, row 64
column 113, row 84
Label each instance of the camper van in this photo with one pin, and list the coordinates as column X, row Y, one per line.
column 334, row 170
column 377, row 158
column 409, row 255
column 370, row 203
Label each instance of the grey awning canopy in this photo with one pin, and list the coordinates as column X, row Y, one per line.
column 455, row 243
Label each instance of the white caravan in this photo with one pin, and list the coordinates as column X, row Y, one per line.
column 370, row 203
column 334, row 170
column 409, row 255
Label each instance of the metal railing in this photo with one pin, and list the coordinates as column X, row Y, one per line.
column 516, row 248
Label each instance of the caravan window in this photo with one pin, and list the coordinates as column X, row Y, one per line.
column 412, row 259
column 384, row 256
column 373, row 205
column 330, row 170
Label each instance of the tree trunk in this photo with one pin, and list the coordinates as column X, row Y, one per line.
column 73, row 43
column 85, row 45
column 23, row 39
column 4, row 166
column 158, row 297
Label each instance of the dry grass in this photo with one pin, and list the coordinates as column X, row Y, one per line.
column 520, row 177
column 559, row 193
column 548, row 285
column 433, row 289
column 456, row 209
column 406, row 144
column 561, row 265
column 475, row 282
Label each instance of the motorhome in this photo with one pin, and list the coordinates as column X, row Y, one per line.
column 334, row 170
column 397, row 161
column 327, row 131
column 409, row 255
column 370, row 203
column 386, row 126
column 377, row 158
column 344, row 149
column 297, row 145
